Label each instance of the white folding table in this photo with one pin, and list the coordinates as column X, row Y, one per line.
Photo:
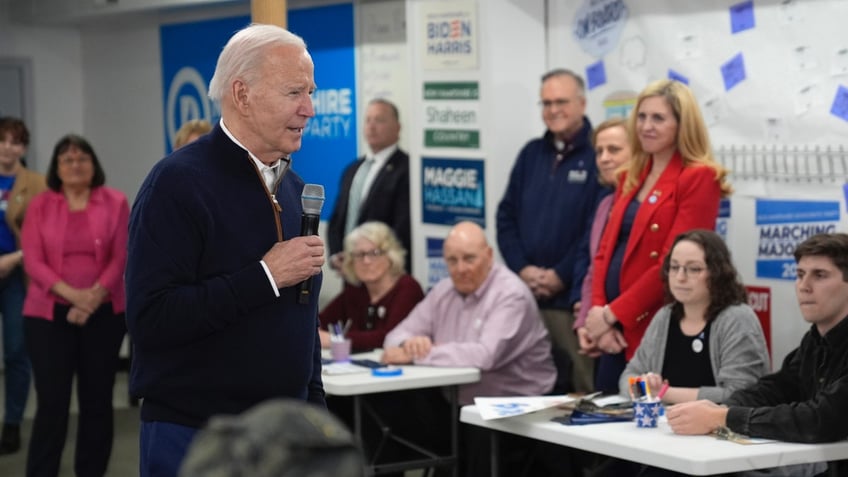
column 412, row 377
column 658, row 447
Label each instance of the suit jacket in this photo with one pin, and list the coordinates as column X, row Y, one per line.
column 686, row 198
column 43, row 245
column 387, row 201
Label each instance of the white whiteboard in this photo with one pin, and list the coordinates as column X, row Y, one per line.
column 795, row 59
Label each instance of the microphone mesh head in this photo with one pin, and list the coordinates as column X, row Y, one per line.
column 312, row 199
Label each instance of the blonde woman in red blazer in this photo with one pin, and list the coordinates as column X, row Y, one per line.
column 672, row 185
column 75, row 246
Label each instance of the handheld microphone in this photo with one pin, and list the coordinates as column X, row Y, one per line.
column 312, row 200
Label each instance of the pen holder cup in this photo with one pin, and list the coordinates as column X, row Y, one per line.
column 646, row 413
column 340, row 350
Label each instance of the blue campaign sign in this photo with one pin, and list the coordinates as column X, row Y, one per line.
column 437, row 269
column 190, row 52
column 789, row 211
column 724, row 208
column 452, row 190
column 782, row 225
column 723, row 218
column 329, row 141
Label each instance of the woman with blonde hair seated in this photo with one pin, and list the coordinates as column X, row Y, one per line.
column 378, row 292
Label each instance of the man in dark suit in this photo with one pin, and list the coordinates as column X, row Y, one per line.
column 375, row 186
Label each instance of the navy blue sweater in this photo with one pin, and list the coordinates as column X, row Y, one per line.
column 209, row 334
column 547, row 210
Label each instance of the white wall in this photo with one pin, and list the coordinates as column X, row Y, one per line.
column 56, row 55
column 123, row 108
column 511, row 61
column 695, row 39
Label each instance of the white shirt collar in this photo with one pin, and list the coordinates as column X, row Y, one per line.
column 381, row 157
column 269, row 173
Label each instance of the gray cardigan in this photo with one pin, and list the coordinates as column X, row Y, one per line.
column 738, row 352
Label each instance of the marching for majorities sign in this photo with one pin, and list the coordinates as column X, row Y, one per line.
column 782, row 225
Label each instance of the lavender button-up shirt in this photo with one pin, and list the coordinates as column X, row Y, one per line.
column 496, row 329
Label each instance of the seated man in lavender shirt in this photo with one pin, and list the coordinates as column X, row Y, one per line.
column 483, row 316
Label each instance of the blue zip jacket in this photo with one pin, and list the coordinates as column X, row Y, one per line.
column 547, row 210
column 209, row 334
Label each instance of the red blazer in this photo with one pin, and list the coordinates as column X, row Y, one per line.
column 43, row 246
column 686, row 198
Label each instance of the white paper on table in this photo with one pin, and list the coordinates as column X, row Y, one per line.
column 498, row 407
column 611, row 400
column 343, row 368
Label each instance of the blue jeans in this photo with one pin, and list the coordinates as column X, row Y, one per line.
column 163, row 446
column 15, row 357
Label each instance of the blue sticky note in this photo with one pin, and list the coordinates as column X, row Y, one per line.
column 742, row 16
column 596, row 74
column 840, row 103
column 673, row 75
column 733, row 71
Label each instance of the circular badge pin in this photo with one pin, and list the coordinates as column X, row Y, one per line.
column 697, row 345
column 652, row 199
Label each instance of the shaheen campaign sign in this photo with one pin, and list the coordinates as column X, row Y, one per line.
column 190, row 52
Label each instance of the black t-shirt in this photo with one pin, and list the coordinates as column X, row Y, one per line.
column 687, row 358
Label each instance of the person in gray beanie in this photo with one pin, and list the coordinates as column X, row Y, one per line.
column 278, row 438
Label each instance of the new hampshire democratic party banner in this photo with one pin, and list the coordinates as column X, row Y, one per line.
column 189, row 54
column 452, row 190
column 783, row 225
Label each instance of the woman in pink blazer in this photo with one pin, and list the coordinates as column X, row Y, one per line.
column 74, row 243
column 672, row 185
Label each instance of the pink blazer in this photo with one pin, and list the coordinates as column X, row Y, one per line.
column 42, row 240
column 598, row 224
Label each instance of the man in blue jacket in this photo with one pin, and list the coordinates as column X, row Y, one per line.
column 546, row 212
column 214, row 257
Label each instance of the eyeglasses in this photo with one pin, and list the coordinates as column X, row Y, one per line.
column 67, row 160
column 372, row 254
column 550, row 103
column 688, row 270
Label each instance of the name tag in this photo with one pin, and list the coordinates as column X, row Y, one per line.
column 577, row 176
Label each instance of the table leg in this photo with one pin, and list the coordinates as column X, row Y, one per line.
column 357, row 432
column 454, row 398
column 493, row 448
